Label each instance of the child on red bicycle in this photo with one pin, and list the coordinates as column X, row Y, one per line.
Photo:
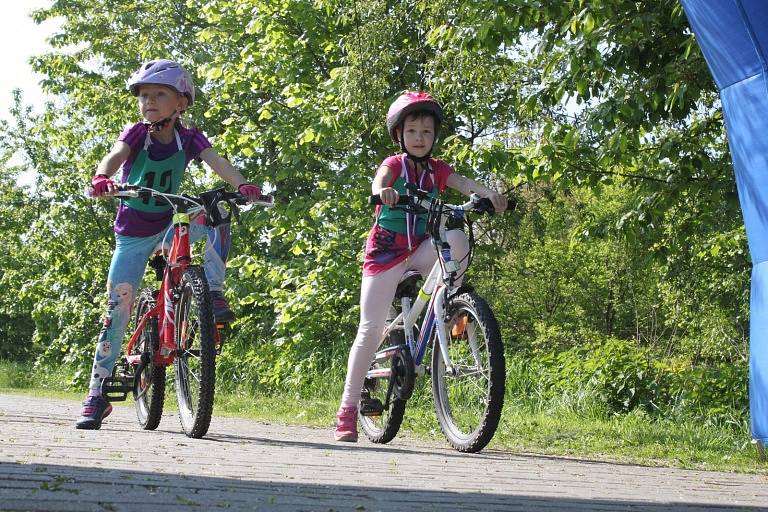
column 153, row 153
column 397, row 241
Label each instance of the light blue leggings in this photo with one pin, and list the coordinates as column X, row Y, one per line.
column 125, row 273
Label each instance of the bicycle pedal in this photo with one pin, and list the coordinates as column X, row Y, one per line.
column 116, row 389
column 371, row 407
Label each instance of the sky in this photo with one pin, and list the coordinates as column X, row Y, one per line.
column 20, row 39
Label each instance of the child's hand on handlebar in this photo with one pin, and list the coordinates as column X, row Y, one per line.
column 389, row 196
column 102, row 185
column 250, row 191
column 499, row 201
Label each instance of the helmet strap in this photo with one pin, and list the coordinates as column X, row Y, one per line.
column 417, row 159
column 161, row 124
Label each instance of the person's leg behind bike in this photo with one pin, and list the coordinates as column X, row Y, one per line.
column 217, row 245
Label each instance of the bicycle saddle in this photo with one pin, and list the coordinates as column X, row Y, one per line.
column 408, row 286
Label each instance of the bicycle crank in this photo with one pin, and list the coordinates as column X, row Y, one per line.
column 403, row 373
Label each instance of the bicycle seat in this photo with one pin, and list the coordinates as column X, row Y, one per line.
column 408, row 286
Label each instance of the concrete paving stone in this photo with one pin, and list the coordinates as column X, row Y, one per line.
column 46, row 464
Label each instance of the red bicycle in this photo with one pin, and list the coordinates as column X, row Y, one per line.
column 175, row 324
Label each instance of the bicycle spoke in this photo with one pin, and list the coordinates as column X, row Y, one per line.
column 195, row 371
column 468, row 399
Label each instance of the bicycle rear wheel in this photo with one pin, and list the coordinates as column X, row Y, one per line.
column 382, row 429
column 149, row 385
column 468, row 401
column 195, row 368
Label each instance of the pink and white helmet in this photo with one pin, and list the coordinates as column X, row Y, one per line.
column 411, row 102
column 163, row 72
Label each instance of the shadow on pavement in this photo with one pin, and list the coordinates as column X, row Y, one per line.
column 38, row 487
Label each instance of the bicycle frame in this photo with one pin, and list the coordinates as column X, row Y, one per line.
column 432, row 295
column 179, row 259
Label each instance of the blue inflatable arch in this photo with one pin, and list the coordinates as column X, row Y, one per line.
column 733, row 35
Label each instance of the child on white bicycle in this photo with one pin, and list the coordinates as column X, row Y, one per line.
column 398, row 241
column 153, row 153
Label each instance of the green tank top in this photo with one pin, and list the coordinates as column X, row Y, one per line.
column 395, row 219
column 161, row 175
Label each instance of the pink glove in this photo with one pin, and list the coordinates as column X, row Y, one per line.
column 102, row 185
column 251, row 192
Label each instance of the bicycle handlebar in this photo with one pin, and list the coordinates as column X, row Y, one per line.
column 375, row 200
column 210, row 198
column 421, row 199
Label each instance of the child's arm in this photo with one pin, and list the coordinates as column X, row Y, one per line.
column 114, row 159
column 467, row 186
column 101, row 182
column 222, row 167
column 384, row 176
column 228, row 173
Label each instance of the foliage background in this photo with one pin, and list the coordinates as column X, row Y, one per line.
column 623, row 273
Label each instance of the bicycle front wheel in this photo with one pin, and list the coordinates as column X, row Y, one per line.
column 149, row 386
column 469, row 398
column 195, row 353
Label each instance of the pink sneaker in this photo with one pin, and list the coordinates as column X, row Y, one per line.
column 346, row 425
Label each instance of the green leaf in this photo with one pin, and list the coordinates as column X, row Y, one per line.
column 294, row 101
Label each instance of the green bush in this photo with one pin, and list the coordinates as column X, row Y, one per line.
column 621, row 374
column 625, row 376
column 714, row 393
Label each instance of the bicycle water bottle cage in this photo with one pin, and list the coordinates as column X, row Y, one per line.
column 211, row 200
column 408, row 286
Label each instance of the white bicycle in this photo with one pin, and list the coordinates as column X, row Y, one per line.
column 467, row 359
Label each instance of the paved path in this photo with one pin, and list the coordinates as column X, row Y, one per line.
column 46, row 464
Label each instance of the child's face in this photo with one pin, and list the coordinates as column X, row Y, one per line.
column 157, row 102
column 419, row 134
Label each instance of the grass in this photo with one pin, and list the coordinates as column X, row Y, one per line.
column 572, row 427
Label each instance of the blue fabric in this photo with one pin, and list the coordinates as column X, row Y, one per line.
column 733, row 35
column 758, row 353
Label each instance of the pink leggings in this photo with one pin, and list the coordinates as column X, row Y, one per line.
column 376, row 295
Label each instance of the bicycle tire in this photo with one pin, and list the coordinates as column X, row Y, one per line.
column 195, row 365
column 149, row 389
column 382, row 429
column 484, row 399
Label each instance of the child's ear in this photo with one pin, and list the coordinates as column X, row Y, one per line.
column 398, row 133
column 183, row 102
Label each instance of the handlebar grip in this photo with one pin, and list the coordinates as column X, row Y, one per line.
column 375, row 200
column 485, row 206
column 242, row 200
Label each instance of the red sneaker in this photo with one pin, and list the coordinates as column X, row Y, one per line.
column 221, row 311
column 346, row 425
